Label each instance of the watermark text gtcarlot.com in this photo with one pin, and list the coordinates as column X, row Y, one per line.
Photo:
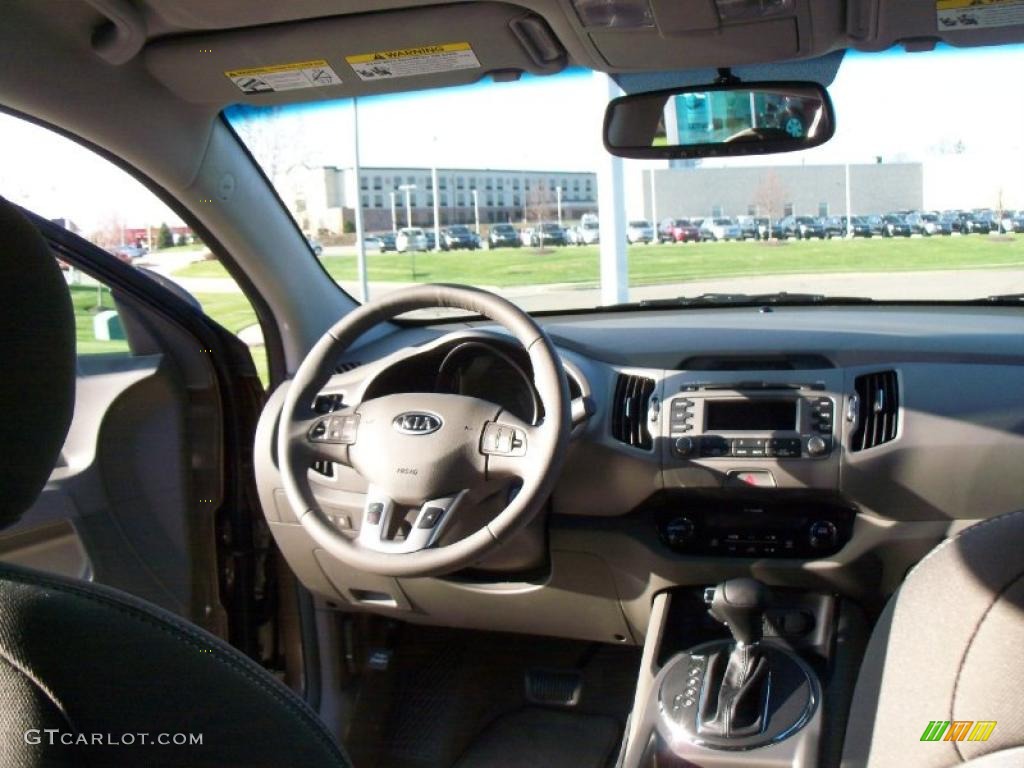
column 55, row 736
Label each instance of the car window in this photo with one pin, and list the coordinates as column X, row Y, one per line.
column 55, row 177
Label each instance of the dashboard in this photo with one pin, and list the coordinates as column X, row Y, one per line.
column 819, row 447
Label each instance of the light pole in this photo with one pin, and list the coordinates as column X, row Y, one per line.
column 394, row 219
column 558, row 198
column 437, row 210
column 407, row 188
column 364, row 285
column 476, row 209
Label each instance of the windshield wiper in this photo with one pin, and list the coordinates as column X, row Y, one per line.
column 753, row 299
column 1007, row 298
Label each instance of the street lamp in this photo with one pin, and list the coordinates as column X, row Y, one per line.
column 394, row 219
column 558, row 197
column 476, row 209
column 407, row 188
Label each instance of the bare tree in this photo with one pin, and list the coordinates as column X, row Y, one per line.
column 539, row 204
column 770, row 198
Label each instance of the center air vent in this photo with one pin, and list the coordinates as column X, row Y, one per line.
column 877, row 410
column 629, row 410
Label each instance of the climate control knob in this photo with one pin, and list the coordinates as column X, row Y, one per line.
column 684, row 446
column 679, row 532
column 816, row 446
column 822, row 534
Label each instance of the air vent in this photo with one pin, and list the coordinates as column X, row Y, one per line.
column 877, row 410
column 629, row 411
column 345, row 367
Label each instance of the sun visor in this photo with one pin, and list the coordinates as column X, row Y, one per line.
column 355, row 55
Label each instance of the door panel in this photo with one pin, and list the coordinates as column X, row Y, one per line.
column 122, row 484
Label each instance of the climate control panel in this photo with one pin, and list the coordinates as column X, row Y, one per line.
column 770, row 528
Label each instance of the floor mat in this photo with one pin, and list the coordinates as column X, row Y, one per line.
column 541, row 738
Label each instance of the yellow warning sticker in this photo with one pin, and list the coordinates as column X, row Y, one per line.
column 284, row 77
column 979, row 14
column 407, row 62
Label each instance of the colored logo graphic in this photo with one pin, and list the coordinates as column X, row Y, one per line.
column 958, row 730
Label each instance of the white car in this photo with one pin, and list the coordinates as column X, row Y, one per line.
column 639, row 232
column 720, row 229
column 411, row 239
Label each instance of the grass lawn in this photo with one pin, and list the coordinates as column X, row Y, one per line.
column 649, row 264
column 88, row 301
column 232, row 310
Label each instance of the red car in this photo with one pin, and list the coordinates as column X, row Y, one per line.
column 678, row 231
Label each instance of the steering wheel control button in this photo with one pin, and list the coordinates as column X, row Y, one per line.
column 503, row 440
column 374, row 510
column 339, row 430
column 429, row 517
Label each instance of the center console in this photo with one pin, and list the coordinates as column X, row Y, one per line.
column 734, row 676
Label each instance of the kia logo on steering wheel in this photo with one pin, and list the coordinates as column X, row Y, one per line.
column 417, row 423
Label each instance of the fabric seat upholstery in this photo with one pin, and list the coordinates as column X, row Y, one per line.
column 948, row 646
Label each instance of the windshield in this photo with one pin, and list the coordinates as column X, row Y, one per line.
column 525, row 158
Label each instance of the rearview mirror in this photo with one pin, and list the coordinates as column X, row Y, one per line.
column 719, row 120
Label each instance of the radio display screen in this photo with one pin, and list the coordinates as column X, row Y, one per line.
column 750, row 415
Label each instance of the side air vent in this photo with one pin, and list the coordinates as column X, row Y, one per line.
column 345, row 367
column 629, row 410
column 878, row 402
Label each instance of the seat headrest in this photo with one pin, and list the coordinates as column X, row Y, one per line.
column 37, row 357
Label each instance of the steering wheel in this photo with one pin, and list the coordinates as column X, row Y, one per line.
column 425, row 456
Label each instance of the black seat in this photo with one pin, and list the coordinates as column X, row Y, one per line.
column 90, row 676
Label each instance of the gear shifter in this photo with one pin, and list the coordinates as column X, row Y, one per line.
column 740, row 604
column 734, row 699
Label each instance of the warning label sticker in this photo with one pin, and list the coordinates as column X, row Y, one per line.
column 979, row 14
column 284, row 77
column 407, row 62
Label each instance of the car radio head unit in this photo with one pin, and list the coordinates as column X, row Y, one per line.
column 722, row 423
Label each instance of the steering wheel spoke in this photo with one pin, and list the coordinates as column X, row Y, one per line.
column 393, row 529
column 329, row 436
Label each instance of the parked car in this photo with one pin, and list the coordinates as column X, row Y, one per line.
column 835, row 226
column 128, row 253
column 895, row 225
column 867, row 226
column 950, row 223
column 458, row 237
column 503, row 236
column 720, row 229
column 986, row 222
column 748, row 227
column 974, row 223
column 387, row 241
column 431, row 239
column 926, row 224
column 801, row 227
column 411, row 239
column 587, row 232
column 639, row 231
column 315, row 246
column 1018, row 222
column 1005, row 219
column 678, row 231
column 548, row 233
column 764, row 227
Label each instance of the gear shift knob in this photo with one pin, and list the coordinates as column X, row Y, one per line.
column 740, row 603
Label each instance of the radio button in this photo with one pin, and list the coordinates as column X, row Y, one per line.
column 817, row 446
